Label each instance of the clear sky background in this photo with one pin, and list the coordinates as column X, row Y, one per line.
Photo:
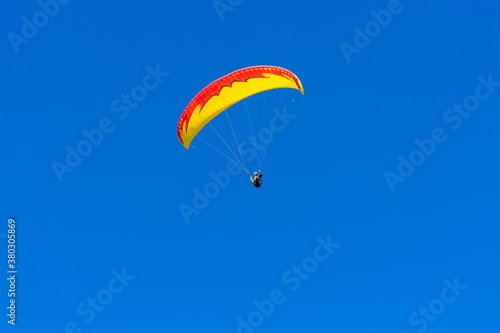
column 107, row 247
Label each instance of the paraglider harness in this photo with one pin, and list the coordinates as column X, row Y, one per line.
column 256, row 179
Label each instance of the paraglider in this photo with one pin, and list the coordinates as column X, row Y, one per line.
column 228, row 90
column 256, row 179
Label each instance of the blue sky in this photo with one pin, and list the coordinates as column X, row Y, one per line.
column 379, row 206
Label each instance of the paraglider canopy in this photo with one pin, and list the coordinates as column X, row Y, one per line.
column 228, row 90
